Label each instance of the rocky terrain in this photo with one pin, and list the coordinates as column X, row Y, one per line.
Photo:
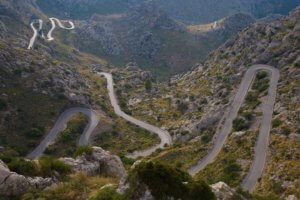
column 37, row 85
column 99, row 161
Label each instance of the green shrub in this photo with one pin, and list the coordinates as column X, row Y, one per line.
column 24, row 167
column 261, row 75
column 261, row 85
column 182, row 107
column 285, row 131
column 50, row 165
column 165, row 181
column 148, row 85
column 125, row 160
column 252, row 99
column 276, row 122
column 8, row 155
column 35, row 132
column 83, row 150
column 240, row 124
column 108, row 193
column 199, row 190
column 247, row 115
column 3, row 105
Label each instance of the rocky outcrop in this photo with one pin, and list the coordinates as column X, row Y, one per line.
column 13, row 184
column 233, row 24
column 99, row 161
column 224, row 192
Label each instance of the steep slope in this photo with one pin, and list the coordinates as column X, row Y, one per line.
column 192, row 105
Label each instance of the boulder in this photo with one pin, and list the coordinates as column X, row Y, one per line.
column 100, row 161
column 224, row 192
column 291, row 197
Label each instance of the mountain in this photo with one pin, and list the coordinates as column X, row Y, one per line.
column 161, row 36
column 195, row 11
column 145, row 34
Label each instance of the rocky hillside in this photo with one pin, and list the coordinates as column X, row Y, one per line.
column 147, row 35
column 191, row 105
column 38, row 85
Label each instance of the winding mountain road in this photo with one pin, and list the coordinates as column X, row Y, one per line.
column 262, row 142
column 52, row 19
column 60, row 125
column 163, row 135
column 49, row 35
column 61, row 122
column 35, row 32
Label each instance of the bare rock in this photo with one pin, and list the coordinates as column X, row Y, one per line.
column 100, row 161
column 224, row 192
column 291, row 197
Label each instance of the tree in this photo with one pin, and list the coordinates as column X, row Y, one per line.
column 165, row 181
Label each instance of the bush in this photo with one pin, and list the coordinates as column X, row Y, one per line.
column 34, row 132
column 276, row 122
column 3, row 105
column 252, row 99
column 240, row 124
column 24, row 167
column 50, row 165
column 165, row 181
column 261, row 75
column 261, row 85
column 148, row 85
column 83, row 150
column 200, row 190
column 125, row 160
column 108, row 193
column 182, row 107
column 247, row 115
column 285, row 131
